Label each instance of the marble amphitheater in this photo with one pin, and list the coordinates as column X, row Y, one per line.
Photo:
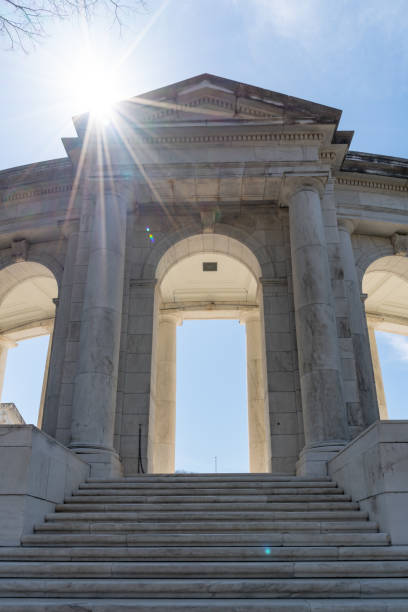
column 260, row 212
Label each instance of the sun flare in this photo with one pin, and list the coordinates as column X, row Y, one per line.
column 94, row 86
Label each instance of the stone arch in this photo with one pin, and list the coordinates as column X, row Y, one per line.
column 202, row 243
column 162, row 247
column 162, row 400
column 44, row 259
column 32, row 282
column 366, row 254
column 385, row 284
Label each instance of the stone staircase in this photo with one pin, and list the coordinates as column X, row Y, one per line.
column 236, row 542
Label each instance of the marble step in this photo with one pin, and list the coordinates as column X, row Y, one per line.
column 234, row 476
column 207, row 553
column 264, row 539
column 198, row 499
column 204, row 569
column 198, row 485
column 215, row 515
column 204, row 605
column 206, row 526
column 211, row 476
column 201, row 483
column 211, row 507
column 223, row 588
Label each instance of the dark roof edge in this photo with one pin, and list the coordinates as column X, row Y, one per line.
column 372, row 163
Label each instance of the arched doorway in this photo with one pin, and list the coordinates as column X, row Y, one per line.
column 385, row 284
column 206, row 277
column 28, row 291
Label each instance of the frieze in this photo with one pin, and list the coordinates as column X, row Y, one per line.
column 350, row 182
column 34, row 193
column 274, row 137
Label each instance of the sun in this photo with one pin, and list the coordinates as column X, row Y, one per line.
column 93, row 85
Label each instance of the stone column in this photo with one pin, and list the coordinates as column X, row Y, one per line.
column 163, row 442
column 5, row 345
column 51, row 407
column 361, row 345
column 324, row 414
column 45, row 380
column 379, row 385
column 259, row 434
column 94, row 403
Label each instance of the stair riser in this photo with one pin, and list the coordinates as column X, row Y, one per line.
column 205, row 605
column 204, row 553
column 200, row 486
column 162, row 499
column 185, row 507
column 173, row 491
column 200, row 569
column 238, row 515
column 273, row 588
column 211, row 539
column 209, row 477
column 214, row 526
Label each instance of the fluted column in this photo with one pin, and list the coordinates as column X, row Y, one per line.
column 96, row 380
column 258, row 419
column 361, row 345
column 323, row 406
column 163, row 427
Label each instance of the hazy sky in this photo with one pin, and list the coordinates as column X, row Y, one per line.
column 350, row 54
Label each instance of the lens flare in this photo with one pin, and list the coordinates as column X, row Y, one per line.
column 149, row 234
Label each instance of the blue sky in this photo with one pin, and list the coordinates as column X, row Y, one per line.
column 351, row 54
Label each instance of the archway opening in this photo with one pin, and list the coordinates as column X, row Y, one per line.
column 199, row 281
column 211, row 404
column 27, row 310
column 385, row 284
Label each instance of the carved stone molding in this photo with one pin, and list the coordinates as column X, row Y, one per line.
column 292, row 184
column 19, row 250
column 273, row 282
column 365, row 184
column 208, row 218
column 348, row 225
column 400, row 244
column 143, row 282
column 35, row 193
column 273, row 137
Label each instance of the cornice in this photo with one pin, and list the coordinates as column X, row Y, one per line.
column 222, row 138
column 18, row 194
column 366, row 184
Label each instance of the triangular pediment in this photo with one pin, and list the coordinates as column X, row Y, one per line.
column 211, row 98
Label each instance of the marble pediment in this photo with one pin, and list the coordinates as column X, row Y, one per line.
column 207, row 98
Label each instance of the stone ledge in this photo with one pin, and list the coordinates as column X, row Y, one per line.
column 37, row 473
column 372, row 468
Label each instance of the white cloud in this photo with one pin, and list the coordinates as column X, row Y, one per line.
column 398, row 343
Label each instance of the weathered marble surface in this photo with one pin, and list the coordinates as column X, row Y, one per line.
column 373, row 469
column 9, row 415
column 36, row 473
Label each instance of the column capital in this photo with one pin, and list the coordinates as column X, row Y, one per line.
column 347, row 225
column 400, row 244
column 292, row 185
column 176, row 318
column 69, row 227
column 7, row 342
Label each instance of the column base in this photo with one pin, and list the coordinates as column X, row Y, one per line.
column 313, row 460
column 104, row 462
